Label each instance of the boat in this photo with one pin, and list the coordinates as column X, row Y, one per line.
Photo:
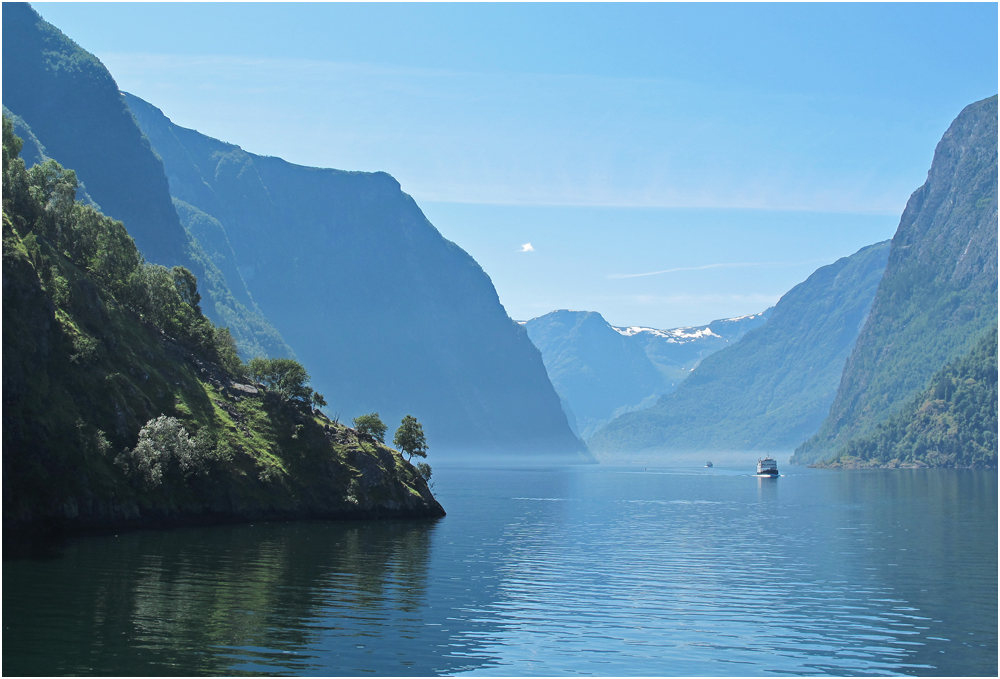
column 709, row 464
column 767, row 467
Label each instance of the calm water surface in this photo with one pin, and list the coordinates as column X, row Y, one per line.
column 589, row 570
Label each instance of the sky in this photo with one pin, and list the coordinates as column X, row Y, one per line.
column 663, row 164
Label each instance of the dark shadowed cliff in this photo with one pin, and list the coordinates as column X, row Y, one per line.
column 69, row 108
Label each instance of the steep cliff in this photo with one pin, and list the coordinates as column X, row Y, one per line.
column 939, row 293
column 76, row 116
column 388, row 314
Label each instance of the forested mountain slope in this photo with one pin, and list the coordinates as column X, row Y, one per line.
column 71, row 104
column 123, row 405
column 952, row 423
column 601, row 371
column 772, row 389
column 390, row 316
column 939, row 293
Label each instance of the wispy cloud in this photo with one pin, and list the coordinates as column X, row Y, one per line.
column 721, row 265
column 527, row 247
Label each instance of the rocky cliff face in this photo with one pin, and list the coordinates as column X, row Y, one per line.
column 69, row 108
column 73, row 106
column 771, row 390
column 388, row 315
column 939, row 293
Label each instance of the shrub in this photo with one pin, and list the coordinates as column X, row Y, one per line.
column 164, row 448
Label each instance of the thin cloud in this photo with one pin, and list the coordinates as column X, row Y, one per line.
column 527, row 247
column 721, row 265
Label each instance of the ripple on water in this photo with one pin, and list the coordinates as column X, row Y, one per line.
column 582, row 571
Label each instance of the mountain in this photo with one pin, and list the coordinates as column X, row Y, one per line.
column 601, row 371
column 952, row 423
column 124, row 406
column 772, row 389
column 939, row 293
column 389, row 315
column 68, row 108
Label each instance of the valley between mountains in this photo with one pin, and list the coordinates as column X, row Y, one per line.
column 146, row 265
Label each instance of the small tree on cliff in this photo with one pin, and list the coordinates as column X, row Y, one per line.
column 372, row 425
column 410, row 438
column 284, row 376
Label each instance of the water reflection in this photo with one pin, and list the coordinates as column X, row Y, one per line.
column 546, row 571
column 767, row 488
column 909, row 526
column 211, row 600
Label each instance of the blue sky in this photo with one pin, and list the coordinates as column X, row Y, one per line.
column 733, row 148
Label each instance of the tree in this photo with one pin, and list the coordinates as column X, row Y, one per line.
column 318, row 400
column 227, row 353
column 187, row 287
column 410, row 438
column 372, row 425
column 424, row 470
column 284, row 376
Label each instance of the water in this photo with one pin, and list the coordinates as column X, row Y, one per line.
column 589, row 570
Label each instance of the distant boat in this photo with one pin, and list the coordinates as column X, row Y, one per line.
column 709, row 464
column 767, row 467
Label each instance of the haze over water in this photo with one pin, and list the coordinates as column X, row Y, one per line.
column 584, row 570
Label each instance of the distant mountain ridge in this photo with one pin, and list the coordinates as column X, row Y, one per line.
column 601, row 371
column 772, row 389
column 389, row 315
column 939, row 293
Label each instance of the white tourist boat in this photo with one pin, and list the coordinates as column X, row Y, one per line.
column 767, row 467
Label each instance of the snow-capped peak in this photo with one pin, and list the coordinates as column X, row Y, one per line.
column 678, row 335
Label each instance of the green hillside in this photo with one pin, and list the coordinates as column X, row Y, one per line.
column 771, row 390
column 124, row 405
column 939, row 293
column 953, row 423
